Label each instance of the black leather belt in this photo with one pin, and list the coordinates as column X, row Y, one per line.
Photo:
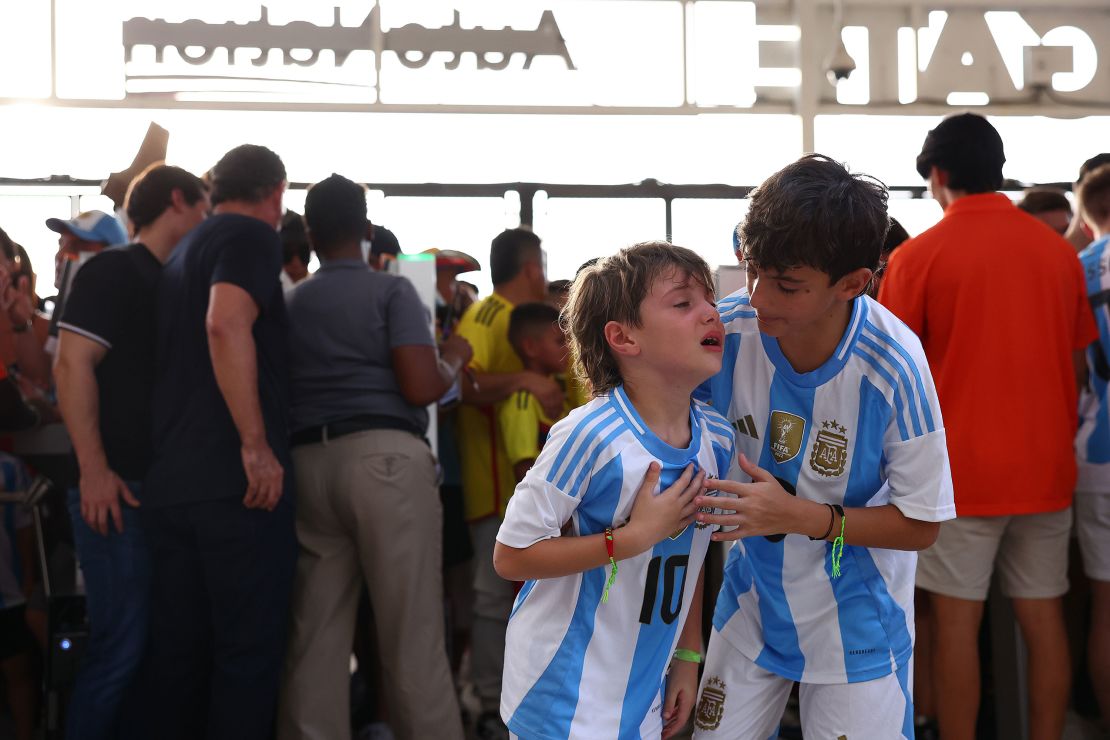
column 350, row 425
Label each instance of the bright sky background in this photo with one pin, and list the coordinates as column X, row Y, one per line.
column 739, row 149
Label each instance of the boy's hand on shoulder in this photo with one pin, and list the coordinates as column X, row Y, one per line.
column 547, row 391
column 682, row 692
column 761, row 507
column 657, row 516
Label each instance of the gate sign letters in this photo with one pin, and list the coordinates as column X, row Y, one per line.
column 596, row 55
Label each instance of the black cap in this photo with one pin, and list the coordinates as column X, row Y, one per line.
column 1092, row 164
column 965, row 140
column 384, row 242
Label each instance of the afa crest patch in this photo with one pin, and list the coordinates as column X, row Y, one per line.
column 711, row 706
column 830, row 450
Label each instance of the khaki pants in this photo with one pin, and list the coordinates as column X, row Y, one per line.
column 493, row 602
column 368, row 508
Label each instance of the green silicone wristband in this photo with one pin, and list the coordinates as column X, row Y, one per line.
column 690, row 656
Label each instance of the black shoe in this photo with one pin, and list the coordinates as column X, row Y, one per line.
column 925, row 729
column 490, row 727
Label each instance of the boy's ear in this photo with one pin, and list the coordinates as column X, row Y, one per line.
column 528, row 346
column 854, row 283
column 620, row 340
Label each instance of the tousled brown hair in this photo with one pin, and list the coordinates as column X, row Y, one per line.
column 1094, row 195
column 612, row 289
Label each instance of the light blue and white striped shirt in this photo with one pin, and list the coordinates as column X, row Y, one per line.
column 864, row 429
column 575, row 667
column 1092, row 443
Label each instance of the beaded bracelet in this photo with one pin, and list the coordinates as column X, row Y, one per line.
column 832, row 521
column 609, row 547
column 838, row 543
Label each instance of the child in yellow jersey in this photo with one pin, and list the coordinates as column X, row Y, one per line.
column 540, row 343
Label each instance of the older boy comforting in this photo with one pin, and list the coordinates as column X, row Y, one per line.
column 843, row 472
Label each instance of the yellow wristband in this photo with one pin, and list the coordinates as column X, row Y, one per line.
column 690, row 656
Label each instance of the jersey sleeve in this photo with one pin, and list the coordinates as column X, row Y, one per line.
column 920, row 478
column 539, row 509
column 479, row 338
column 97, row 305
column 518, row 417
column 901, row 290
column 250, row 257
column 408, row 319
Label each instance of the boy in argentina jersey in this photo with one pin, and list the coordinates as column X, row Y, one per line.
column 1092, row 445
column 841, row 436
column 590, row 654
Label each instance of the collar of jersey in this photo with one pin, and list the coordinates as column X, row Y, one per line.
column 657, row 447
column 1095, row 247
column 979, row 202
column 343, row 264
column 833, row 365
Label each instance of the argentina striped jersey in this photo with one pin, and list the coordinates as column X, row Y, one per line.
column 575, row 667
column 864, row 429
column 1092, row 443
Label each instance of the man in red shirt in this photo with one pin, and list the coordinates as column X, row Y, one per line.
column 999, row 301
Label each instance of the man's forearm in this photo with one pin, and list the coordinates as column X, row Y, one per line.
column 236, row 369
column 492, row 387
column 79, row 404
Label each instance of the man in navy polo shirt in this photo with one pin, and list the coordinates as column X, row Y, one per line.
column 105, row 378
column 218, row 502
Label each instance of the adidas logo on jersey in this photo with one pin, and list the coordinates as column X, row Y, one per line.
column 746, row 426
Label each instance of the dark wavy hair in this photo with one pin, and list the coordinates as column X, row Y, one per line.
column 247, row 173
column 151, row 193
column 509, row 252
column 335, row 212
column 814, row 213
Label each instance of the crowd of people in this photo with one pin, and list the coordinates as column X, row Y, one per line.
column 267, row 538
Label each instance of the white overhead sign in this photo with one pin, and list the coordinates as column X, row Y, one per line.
column 652, row 56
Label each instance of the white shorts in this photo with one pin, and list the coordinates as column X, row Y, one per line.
column 738, row 700
column 1092, row 524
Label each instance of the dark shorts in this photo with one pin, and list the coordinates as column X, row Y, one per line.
column 456, row 535
column 15, row 636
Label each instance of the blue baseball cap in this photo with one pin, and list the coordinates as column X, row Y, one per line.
column 92, row 226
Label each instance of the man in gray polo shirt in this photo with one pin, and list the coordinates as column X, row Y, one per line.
column 363, row 367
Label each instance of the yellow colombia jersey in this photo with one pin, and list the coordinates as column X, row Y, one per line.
column 524, row 426
column 486, row 472
column 578, row 393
